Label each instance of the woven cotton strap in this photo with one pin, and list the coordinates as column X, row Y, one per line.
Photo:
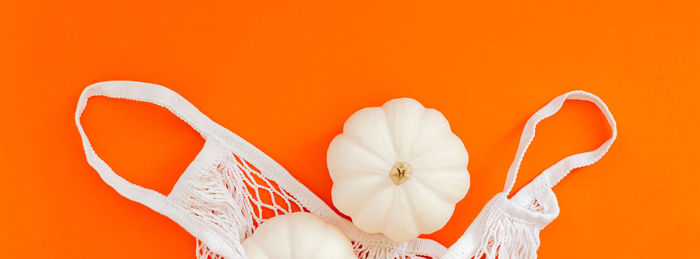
column 558, row 171
column 162, row 96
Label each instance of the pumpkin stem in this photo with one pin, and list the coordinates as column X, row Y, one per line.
column 400, row 173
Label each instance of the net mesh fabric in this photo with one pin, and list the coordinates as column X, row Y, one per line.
column 224, row 200
column 510, row 237
column 235, row 197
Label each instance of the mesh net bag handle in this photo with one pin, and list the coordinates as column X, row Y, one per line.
column 158, row 202
column 552, row 175
column 509, row 227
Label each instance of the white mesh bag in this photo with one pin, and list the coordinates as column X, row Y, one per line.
column 231, row 187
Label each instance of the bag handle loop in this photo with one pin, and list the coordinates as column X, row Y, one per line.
column 552, row 175
column 156, row 94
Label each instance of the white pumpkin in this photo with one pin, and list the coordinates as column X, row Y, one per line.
column 295, row 236
column 398, row 169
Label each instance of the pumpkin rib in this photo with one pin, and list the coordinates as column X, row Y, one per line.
column 359, row 215
column 403, row 134
column 396, row 215
column 421, row 212
column 445, row 206
column 454, row 155
column 427, row 180
column 359, row 157
column 410, row 209
column 356, row 200
column 354, row 133
column 363, row 147
column 431, row 117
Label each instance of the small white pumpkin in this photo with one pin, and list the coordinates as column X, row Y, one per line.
column 296, row 236
column 398, row 169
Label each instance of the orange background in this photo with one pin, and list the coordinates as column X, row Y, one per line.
column 285, row 75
